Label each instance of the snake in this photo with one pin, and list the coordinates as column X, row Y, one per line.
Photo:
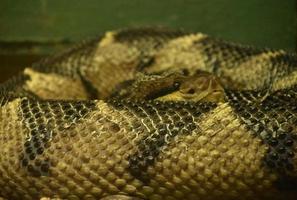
column 152, row 113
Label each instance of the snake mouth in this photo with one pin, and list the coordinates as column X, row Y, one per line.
column 204, row 96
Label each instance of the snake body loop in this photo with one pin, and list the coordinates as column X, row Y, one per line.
column 152, row 114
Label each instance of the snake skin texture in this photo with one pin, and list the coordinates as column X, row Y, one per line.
column 152, row 114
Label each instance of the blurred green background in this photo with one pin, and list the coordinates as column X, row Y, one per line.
column 32, row 29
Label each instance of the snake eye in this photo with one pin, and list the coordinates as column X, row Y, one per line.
column 185, row 72
column 176, row 84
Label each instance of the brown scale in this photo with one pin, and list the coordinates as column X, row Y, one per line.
column 143, row 34
column 146, row 41
column 13, row 88
column 271, row 120
column 43, row 119
column 68, row 63
column 237, row 66
column 285, row 63
column 227, row 52
column 178, row 87
column 162, row 132
column 228, row 57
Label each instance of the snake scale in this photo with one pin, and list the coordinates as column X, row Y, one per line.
column 152, row 113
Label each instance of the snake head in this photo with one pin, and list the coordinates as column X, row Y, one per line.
column 174, row 86
column 200, row 87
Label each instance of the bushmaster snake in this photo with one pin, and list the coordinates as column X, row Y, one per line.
column 152, row 114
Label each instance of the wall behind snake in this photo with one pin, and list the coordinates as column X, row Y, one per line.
column 32, row 29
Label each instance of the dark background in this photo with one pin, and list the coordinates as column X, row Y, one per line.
column 32, row 29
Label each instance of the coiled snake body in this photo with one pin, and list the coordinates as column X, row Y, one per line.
column 152, row 114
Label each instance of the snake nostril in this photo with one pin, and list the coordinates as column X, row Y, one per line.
column 191, row 91
column 185, row 72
